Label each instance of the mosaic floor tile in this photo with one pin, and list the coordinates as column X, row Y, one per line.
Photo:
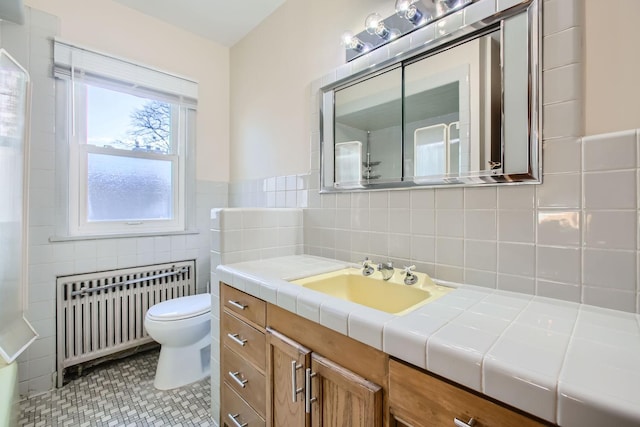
column 119, row 393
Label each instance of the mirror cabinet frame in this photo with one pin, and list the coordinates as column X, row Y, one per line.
column 520, row 130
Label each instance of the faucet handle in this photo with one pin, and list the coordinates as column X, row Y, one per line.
column 367, row 262
column 409, row 269
column 367, row 269
column 409, row 277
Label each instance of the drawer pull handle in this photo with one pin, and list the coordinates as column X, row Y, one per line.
column 235, row 337
column 236, row 378
column 237, row 304
column 294, row 381
column 308, row 400
column 235, row 421
column 460, row 423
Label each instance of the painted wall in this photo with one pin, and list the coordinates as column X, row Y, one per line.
column 112, row 28
column 613, row 66
column 271, row 72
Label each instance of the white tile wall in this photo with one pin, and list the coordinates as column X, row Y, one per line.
column 31, row 45
column 252, row 234
column 289, row 191
column 575, row 237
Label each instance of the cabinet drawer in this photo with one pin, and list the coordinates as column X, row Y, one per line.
column 236, row 412
column 244, row 379
column 244, row 339
column 420, row 399
column 244, row 305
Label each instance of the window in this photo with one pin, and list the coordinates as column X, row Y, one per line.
column 127, row 135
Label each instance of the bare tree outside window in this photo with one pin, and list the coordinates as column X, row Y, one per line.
column 150, row 128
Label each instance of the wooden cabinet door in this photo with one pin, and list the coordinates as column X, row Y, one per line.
column 286, row 364
column 340, row 398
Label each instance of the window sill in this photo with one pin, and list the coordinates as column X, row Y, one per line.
column 54, row 239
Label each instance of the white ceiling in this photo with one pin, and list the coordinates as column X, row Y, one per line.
column 223, row 21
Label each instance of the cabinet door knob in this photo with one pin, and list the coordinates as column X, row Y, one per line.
column 237, row 304
column 236, row 377
column 308, row 400
column 294, row 381
column 460, row 423
column 235, row 338
column 235, row 421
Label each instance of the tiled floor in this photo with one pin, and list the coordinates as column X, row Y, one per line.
column 120, row 393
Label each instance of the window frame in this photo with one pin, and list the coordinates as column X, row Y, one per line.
column 73, row 153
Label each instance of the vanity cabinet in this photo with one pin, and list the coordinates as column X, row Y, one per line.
column 268, row 357
column 308, row 389
column 419, row 399
column 279, row 369
column 242, row 369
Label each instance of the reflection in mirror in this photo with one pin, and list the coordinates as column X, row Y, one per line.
column 452, row 111
column 368, row 124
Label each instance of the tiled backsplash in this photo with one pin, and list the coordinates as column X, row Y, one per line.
column 574, row 237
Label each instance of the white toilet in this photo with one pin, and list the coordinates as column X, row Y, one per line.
column 183, row 328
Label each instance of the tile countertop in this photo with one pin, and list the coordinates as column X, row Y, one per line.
column 568, row 363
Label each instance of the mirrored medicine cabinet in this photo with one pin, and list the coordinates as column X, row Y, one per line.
column 460, row 109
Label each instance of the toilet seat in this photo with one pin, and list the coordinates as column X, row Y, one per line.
column 180, row 308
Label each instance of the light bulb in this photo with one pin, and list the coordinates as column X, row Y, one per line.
column 375, row 25
column 349, row 41
column 402, row 6
column 408, row 10
column 347, row 37
column 372, row 22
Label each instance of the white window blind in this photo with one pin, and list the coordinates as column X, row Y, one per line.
column 73, row 62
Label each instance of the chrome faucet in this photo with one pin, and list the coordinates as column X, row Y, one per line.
column 409, row 277
column 367, row 268
column 386, row 268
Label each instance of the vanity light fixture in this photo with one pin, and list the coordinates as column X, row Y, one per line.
column 410, row 15
column 407, row 9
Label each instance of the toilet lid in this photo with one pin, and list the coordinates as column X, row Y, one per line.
column 181, row 308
